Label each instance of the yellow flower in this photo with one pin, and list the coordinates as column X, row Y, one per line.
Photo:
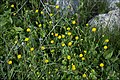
column 52, row 33
column 101, row 65
column 14, row 14
column 28, row 30
column 36, row 22
column 32, row 49
column 45, row 54
column 38, row 73
column 73, row 22
column 16, row 42
column 73, row 67
column 26, row 11
column 83, row 58
column 70, row 44
column 69, row 33
column 49, row 72
column 42, row 12
column 76, row 37
column 94, row 29
column 63, row 36
column 19, row 56
column 81, row 55
column 40, row 25
column 93, row 70
column 46, row 61
column 106, row 40
column 12, row 6
column 81, row 39
column 9, row 62
column 51, row 14
column 68, row 28
column 103, row 35
column 42, row 48
column 52, row 50
column 84, row 75
column 63, row 44
column 59, row 37
column 26, row 39
column 105, row 47
column 36, row 11
column 52, row 41
column 85, row 51
column 87, row 24
column 57, row 6
column 56, row 34
column 50, row 22
column 56, row 69
column 68, row 57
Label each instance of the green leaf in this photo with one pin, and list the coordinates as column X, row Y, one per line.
column 11, row 21
column 43, row 33
column 114, row 59
column 118, row 5
column 108, row 54
column 18, row 29
column 3, row 21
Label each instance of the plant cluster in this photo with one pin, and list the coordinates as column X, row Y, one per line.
column 37, row 42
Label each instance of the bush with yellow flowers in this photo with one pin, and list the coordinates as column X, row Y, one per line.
column 38, row 42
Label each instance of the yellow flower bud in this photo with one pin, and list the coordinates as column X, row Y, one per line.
column 105, row 47
column 19, row 56
column 52, row 41
column 63, row 36
column 76, row 37
column 84, row 75
column 59, row 37
column 70, row 44
column 83, row 58
column 26, row 39
column 63, row 44
column 12, row 6
column 94, row 29
column 42, row 48
column 68, row 57
column 87, row 24
column 40, row 25
column 36, row 11
column 42, row 12
column 51, row 14
column 106, row 40
column 101, row 65
column 69, row 33
column 28, row 30
column 56, row 34
column 32, row 49
column 68, row 28
column 73, row 22
column 81, row 55
column 57, row 6
column 46, row 61
column 73, row 67
column 10, row 62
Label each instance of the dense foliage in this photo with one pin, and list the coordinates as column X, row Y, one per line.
column 38, row 42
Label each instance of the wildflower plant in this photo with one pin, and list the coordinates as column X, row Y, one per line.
column 40, row 43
